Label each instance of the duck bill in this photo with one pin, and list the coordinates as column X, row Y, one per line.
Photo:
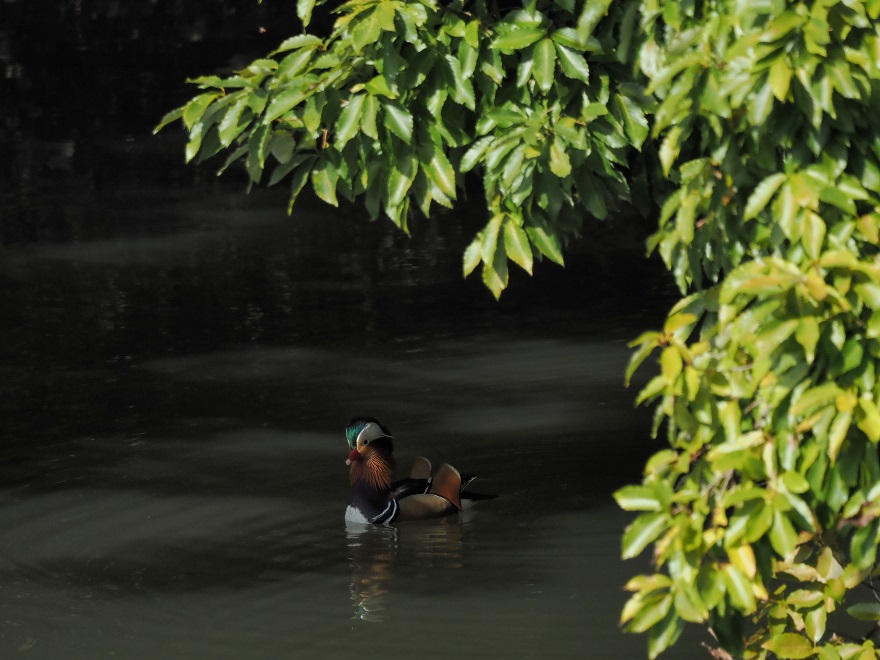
column 353, row 455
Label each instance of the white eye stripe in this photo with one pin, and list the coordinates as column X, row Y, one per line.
column 370, row 432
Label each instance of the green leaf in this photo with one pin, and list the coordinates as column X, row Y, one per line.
column 789, row 646
column 739, row 588
column 837, row 433
column 518, row 38
column 573, row 64
column 868, row 611
column 634, row 121
column 174, row 115
column 670, row 148
column 868, row 419
column 783, row 536
column 369, row 25
column 396, row 119
column 814, row 398
column 646, row 347
column 664, row 634
column 490, row 238
column 863, row 548
column 761, row 195
column 368, row 117
column 461, row 91
column 780, row 79
column 547, row 243
column 643, row 530
column 560, row 164
column 298, row 181
column 651, row 611
column 544, row 63
column 378, row 86
column 671, row 364
column 400, row 178
column 807, row 335
column 813, row 234
column 440, row 172
column 495, row 274
column 193, row 111
column 592, row 13
column 516, row 245
column 297, row 41
column 304, row 11
column 324, row 178
column 637, row 498
column 349, row 120
column 229, row 127
column 293, row 64
column 475, row 153
column 284, row 102
column 472, row 256
column 795, row 482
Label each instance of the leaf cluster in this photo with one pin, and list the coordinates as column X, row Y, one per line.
column 764, row 509
column 404, row 99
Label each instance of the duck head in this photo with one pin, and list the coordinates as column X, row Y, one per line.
column 371, row 455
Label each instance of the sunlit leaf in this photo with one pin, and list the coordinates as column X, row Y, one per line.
column 761, row 195
column 349, row 119
column 634, row 121
column 283, row 103
column 490, row 235
column 544, row 63
column 297, row 41
column 516, row 245
column 547, row 243
column 665, row 634
column 573, row 63
column 396, row 119
column 560, row 164
column 591, row 14
column 519, row 38
column 739, row 588
column 304, row 10
column 637, row 498
column 472, row 256
column 643, row 530
column 790, row 646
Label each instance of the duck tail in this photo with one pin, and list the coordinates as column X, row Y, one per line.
column 466, row 480
column 447, row 484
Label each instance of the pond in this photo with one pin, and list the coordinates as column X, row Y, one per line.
column 178, row 363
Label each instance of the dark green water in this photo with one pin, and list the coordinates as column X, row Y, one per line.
column 178, row 361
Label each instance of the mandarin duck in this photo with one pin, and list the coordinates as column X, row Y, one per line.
column 376, row 498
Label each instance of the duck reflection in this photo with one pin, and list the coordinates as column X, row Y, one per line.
column 378, row 552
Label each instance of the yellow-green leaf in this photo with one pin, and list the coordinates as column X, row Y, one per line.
column 868, row 419
column 544, row 63
column 560, row 164
column 780, row 78
column 789, row 646
column 516, row 244
column 643, row 530
column 472, row 256
column 761, row 195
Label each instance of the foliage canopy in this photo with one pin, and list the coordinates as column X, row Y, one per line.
column 751, row 131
